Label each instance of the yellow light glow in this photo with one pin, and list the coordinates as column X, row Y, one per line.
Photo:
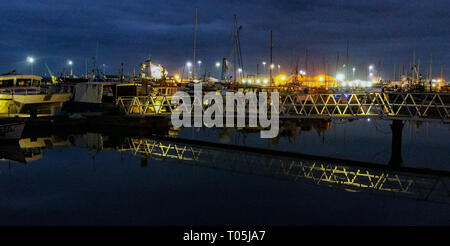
column 177, row 78
column 280, row 79
column 320, row 78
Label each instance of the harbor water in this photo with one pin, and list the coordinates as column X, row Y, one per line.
column 98, row 179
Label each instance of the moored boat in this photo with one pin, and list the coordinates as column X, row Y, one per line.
column 24, row 94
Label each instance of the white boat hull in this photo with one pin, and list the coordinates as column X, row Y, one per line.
column 11, row 130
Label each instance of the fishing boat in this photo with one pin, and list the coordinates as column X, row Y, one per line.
column 26, row 94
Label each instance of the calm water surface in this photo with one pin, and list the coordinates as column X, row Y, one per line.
column 90, row 179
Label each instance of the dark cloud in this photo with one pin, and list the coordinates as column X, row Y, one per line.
column 129, row 31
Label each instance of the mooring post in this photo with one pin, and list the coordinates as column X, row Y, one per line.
column 144, row 160
column 396, row 148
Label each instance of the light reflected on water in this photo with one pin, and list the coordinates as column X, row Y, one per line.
column 96, row 178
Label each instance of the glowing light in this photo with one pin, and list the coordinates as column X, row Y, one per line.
column 344, row 84
column 30, row 59
column 354, row 69
column 243, row 81
column 340, row 77
column 258, row 81
column 240, row 70
column 157, row 71
column 265, row 81
column 199, row 62
column 250, row 80
column 189, row 64
column 302, row 72
column 283, row 77
column 264, row 63
column 320, row 78
column 370, row 74
column 370, row 67
column 217, row 64
column 272, row 66
column 70, row 62
column 177, row 77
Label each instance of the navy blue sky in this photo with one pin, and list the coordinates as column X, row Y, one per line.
column 130, row 31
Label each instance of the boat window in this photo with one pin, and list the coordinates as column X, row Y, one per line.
column 6, row 83
column 36, row 83
column 23, row 82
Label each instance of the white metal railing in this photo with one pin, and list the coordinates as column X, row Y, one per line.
column 417, row 106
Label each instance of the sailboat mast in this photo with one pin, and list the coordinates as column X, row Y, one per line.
column 271, row 63
column 347, row 61
column 195, row 40
column 235, row 48
column 430, row 72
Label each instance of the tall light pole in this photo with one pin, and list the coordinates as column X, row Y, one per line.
column 30, row 60
column 279, row 68
column 370, row 70
column 189, row 65
column 217, row 67
column 264, row 67
column 70, row 63
column 354, row 69
column 199, row 62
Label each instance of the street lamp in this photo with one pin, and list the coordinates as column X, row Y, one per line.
column 30, row 60
column 199, row 62
column 279, row 67
column 354, row 69
column 264, row 67
column 70, row 63
column 189, row 65
column 218, row 66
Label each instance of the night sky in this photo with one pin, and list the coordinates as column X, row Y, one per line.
column 130, row 31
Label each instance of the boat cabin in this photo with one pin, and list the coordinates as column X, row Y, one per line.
column 19, row 83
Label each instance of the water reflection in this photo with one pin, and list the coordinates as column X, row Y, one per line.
column 335, row 173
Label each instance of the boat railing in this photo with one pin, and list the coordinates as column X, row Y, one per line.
column 23, row 91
